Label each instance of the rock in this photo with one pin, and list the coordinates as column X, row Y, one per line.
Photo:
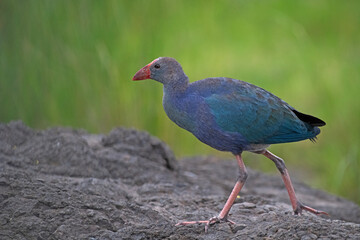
column 248, row 205
column 62, row 183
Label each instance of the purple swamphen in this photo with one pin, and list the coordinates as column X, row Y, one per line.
column 234, row 116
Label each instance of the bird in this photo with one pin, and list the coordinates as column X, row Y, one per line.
column 233, row 116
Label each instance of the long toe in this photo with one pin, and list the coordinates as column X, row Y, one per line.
column 314, row 211
column 184, row 223
column 301, row 207
column 208, row 223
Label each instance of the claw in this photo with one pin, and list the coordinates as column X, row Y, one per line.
column 211, row 222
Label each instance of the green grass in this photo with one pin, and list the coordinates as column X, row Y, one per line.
column 71, row 63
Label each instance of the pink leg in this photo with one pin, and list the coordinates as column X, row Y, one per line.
column 297, row 206
column 237, row 188
column 222, row 217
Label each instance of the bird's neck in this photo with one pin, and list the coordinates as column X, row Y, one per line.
column 177, row 86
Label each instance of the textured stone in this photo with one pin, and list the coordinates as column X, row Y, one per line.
column 62, row 183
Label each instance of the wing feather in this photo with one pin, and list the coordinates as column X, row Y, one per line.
column 258, row 115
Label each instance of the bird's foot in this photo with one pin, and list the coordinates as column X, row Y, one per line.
column 207, row 223
column 300, row 207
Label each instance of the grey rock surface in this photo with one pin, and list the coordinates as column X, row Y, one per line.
column 63, row 183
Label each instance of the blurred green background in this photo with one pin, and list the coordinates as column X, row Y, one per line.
column 70, row 63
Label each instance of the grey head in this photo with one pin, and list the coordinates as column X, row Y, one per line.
column 165, row 70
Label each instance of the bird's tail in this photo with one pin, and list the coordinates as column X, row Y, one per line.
column 311, row 120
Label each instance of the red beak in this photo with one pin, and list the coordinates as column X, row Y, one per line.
column 143, row 73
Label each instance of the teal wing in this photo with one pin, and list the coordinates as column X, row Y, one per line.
column 257, row 115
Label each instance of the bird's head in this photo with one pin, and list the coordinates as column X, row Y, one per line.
column 164, row 69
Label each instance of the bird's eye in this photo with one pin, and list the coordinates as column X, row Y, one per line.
column 157, row 66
